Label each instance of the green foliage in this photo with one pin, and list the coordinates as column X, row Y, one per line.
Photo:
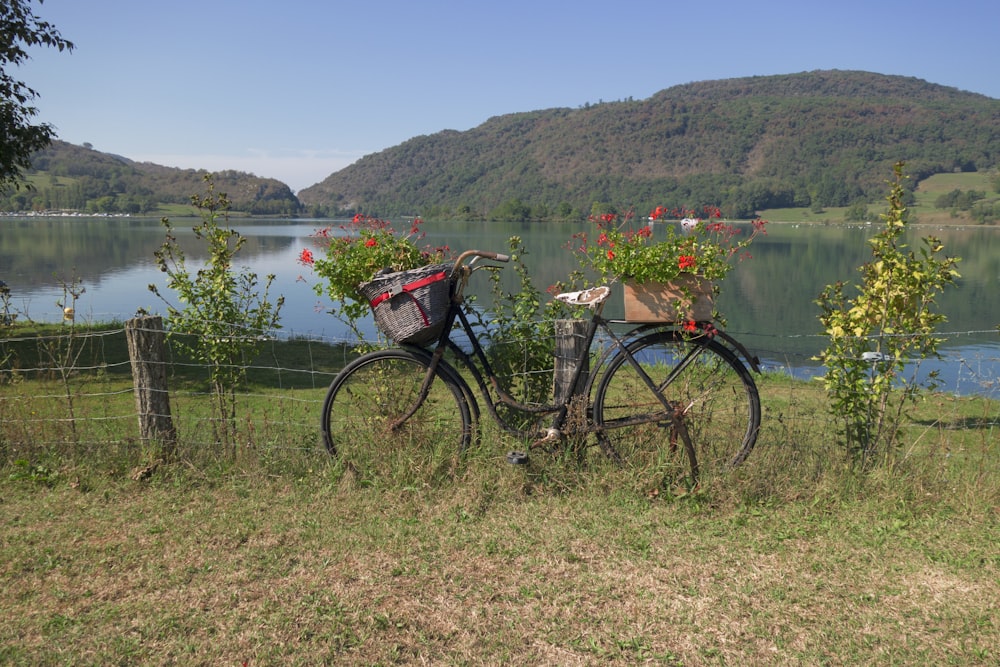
column 520, row 331
column 36, row 473
column 857, row 212
column 367, row 246
column 19, row 138
column 225, row 315
column 986, row 211
column 959, row 199
column 513, row 210
column 620, row 249
column 874, row 334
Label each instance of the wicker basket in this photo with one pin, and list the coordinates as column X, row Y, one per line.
column 410, row 306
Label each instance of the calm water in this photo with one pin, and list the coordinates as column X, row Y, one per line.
column 769, row 300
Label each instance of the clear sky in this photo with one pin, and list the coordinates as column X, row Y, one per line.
column 298, row 89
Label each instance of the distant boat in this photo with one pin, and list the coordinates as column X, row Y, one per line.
column 688, row 224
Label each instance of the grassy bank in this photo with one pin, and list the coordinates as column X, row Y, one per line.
column 492, row 570
column 273, row 555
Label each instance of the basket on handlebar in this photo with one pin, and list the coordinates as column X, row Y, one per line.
column 410, row 306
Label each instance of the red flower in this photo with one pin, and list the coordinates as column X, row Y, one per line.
column 608, row 217
column 690, row 326
column 686, row 262
column 306, row 257
column 371, row 243
column 611, row 255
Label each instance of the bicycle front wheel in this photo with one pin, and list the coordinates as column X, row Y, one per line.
column 690, row 405
column 376, row 424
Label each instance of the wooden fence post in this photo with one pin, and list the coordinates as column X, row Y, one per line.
column 571, row 336
column 147, row 352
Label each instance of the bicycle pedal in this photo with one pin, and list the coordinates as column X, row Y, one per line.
column 517, row 458
column 551, row 435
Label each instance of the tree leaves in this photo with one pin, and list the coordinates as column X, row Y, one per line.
column 19, row 138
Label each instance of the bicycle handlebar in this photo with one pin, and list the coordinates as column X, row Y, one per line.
column 495, row 256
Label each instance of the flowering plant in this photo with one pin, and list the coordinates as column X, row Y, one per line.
column 367, row 246
column 620, row 249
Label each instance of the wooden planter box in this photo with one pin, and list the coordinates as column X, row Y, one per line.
column 688, row 297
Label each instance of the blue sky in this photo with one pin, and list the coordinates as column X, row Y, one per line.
column 298, row 89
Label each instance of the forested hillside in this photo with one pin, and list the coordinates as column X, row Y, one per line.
column 69, row 177
column 814, row 139
column 825, row 138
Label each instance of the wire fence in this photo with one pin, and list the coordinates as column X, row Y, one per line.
column 969, row 362
column 73, row 389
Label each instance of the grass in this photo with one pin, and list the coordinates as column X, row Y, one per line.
column 940, row 184
column 274, row 554
column 305, row 571
column 923, row 209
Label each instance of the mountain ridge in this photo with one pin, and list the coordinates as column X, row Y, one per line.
column 828, row 137
column 822, row 138
column 66, row 176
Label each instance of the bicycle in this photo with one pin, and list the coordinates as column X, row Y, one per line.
column 658, row 392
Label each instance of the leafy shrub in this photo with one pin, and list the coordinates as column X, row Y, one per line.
column 225, row 314
column 890, row 321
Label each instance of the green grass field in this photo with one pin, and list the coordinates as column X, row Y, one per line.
column 271, row 552
column 923, row 211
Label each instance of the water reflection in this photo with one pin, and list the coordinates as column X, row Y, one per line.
column 768, row 301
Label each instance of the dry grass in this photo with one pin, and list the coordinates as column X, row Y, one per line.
column 495, row 569
column 274, row 556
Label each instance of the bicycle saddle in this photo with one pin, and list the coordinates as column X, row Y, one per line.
column 588, row 297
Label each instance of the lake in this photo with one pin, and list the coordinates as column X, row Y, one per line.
column 769, row 300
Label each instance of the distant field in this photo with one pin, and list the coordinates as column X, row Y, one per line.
column 828, row 215
column 939, row 184
column 927, row 191
column 176, row 210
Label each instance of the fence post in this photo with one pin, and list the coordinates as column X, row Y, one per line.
column 147, row 352
column 571, row 336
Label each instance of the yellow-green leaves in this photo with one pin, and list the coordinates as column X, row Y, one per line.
column 892, row 313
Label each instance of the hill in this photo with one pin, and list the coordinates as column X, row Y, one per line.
column 66, row 176
column 824, row 138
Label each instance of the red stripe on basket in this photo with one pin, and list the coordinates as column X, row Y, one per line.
column 415, row 285
column 420, row 309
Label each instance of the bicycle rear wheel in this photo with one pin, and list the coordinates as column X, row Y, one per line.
column 365, row 423
column 710, row 392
